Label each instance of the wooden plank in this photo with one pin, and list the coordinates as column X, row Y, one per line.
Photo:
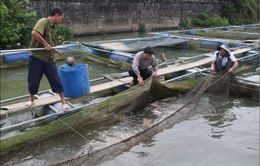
column 111, row 84
column 242, row 50
column 56, row 98
column 172, row 69
column 38, row 102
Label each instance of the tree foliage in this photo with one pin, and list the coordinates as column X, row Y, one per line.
column 16, row 23
column 17, row 20
column 241, row 11
column 232, row 12
column 64, row 33
column 204, row 20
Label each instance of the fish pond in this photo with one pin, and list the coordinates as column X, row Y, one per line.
column 213, row 134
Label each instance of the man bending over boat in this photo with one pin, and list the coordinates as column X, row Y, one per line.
column 224, row 61
column 139, row 70
column 42, row 62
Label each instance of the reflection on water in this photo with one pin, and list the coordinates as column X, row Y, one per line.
column 193, row 142
column 219, row 118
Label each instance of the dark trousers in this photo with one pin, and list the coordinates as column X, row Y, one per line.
column 145, row 73
column 37, row 68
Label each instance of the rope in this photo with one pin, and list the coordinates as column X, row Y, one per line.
column 74, row 130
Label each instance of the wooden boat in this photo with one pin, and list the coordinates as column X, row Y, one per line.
column 80, row 115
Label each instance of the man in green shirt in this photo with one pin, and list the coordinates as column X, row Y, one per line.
column 42, row 62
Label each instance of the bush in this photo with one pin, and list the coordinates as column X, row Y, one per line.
column 241, row 11
column 141, row 27
column 203, row 20
column 63, row 34
column 217, row 21
column 186, row 24
column 16, row 23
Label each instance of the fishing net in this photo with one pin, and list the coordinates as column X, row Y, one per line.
column 139, row 44
column 84, row 54
column 131, row 99
column 152, row 92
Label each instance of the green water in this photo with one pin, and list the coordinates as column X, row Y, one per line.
column 14, row 81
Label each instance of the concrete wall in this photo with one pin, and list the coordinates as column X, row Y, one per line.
column 95, row 16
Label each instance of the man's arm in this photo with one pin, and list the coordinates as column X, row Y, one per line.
column 212, row 68
column 235, row 65
column 37, row 36
column 231, row 70
column 214, row 61
column 155, row 67
column 136, row 70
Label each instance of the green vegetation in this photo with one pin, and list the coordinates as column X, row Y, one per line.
column 16, row 23
column 141, row 27
column 241, row 11
column 186, row 23
column 63, row 34
column 204, row 20
column 232, row 12
column 17, row 20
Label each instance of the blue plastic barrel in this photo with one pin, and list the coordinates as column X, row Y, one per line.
column 75, row 80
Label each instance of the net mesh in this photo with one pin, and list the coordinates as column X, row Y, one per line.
column 191, row 100
column 84, row 54
column 140, row 44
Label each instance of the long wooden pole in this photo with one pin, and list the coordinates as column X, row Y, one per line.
column 25, row 49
